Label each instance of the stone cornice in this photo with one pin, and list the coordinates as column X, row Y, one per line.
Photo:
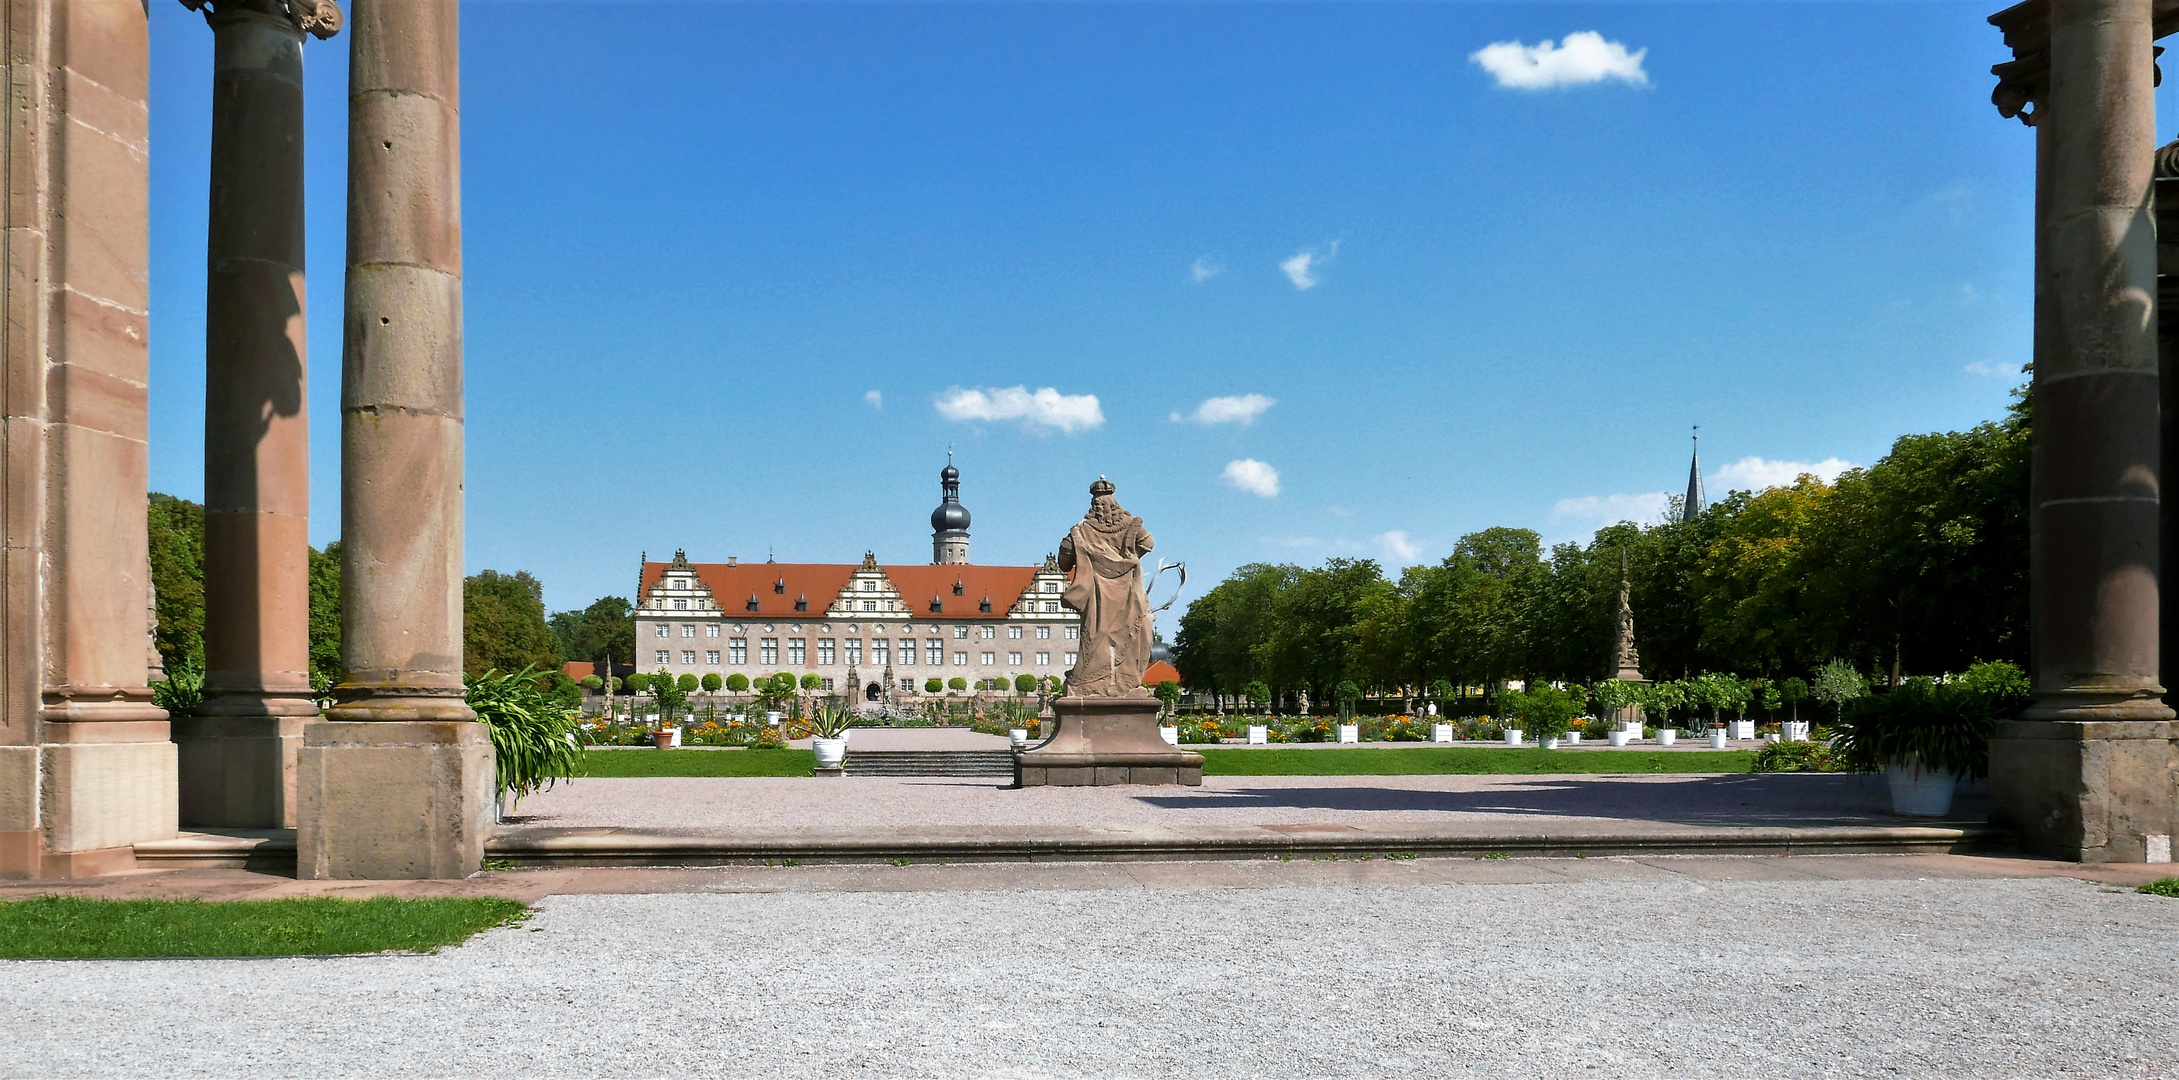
column 2023, row 80
column 320, row 19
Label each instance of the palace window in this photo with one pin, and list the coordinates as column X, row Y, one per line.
column 712, row 657
column 870, row 586
column 738, row 650
column 1043, row 632
column 664, row 657
column 712, row 630
column 880, row 655
column 1043, row 658
column 989, row 659
column 1014, row 632
column 1050, row 606
column 1073, row 633
column 689, row 657
column 824, row 652
column 960, row 631
column 1070, row 659
column 870, row 605
column 798, row 650
column 824, row 684
column 1013, row 659
column 990, row 632
column 907, row 686
column 934, row 652
column 768, row 652
column 1051, row 586
column 680, row 605
column 854, row 652
column 960, row 659
column 663, row 630
column 689, row 630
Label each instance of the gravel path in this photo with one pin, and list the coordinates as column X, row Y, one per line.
column 1501, row 802
column 1695, row 977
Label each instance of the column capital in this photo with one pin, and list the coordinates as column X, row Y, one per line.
column 318, row 18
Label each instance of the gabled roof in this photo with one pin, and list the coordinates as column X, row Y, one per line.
column 777, row 586
column 919, row 585
column 1159, row 671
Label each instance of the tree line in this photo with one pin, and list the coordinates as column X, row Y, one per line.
column 504, row 624
column 1914, row 565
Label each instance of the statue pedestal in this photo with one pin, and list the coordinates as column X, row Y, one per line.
column 1101, row 741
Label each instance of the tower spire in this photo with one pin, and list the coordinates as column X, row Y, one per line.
column 949, row 523
column 1691, row 507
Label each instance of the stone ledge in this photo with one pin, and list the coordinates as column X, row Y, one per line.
column 223, row 849
column 535, row 846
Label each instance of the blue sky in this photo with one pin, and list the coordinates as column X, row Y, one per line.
column 738, row 274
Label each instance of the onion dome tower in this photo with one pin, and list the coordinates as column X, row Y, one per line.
column 949, row 523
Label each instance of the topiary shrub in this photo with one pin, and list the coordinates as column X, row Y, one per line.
column 712, row 682
column 933, row 686
column 737, row 682
column 1024, row 683
column 957, row 684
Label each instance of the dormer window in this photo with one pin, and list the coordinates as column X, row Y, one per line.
column 780, row 586
column 802, row 603
column 752, row 601
column 958, row 588
column 985, row 607
column 937, row 605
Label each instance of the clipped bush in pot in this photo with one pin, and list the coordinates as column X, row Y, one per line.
column 1925, row 735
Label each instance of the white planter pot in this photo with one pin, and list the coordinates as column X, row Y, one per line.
column 1665, row 736
column 1259, row 735
column 1573, row 738
column 1513, row 736
column 1770, row 738
column 1919, row 792
column 1020, row 736
column 1618, row 738
column 771, row 719
column 1441, row 733
column 1717, row 738
column 1741, row 729
column 1550, row 743
column 1350, row 733
column 1794, row 730
column 830, row 752
column 1171, row 735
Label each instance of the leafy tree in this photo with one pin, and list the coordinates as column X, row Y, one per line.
column 712, row 682
column 325, row 666
column 933, row 686
column 1837, row 684
column 737, row 682
column 687, row 683
column 1024, row 683
column 503, row 624
column 957, row 684
column 176, row 533
column 667, row 692
column 606, row 628
column 1794, row 691
column 1168, row 692
column 1257, row 693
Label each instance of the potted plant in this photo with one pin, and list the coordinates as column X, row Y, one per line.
column 1925, row 735
column 828, row 728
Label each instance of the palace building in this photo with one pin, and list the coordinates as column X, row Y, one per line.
column 863, row 626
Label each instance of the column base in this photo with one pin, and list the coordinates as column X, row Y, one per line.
column 2094, row 791
column 75, row 806
column 1103, row 741
column 238, row 772
column 396, row 799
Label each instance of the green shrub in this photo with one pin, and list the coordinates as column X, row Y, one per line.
column 932, row 686
column 2162, row 887
column 1024, row 683
column 687, row 683
column 1798, row 757
column 181, row 691
column 737, row 682
column 1945, row 727
column 533, row 734
column 712, row 682
column 593, row 683
column 957, row 684
column 638, row 683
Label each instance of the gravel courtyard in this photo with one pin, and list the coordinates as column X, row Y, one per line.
column 1836, row 966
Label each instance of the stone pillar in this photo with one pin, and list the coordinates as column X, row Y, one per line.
column 2088, row 773
column 397, row 781
column 86, row 768
column 238, row 753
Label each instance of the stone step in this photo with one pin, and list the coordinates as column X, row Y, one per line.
column 928, row 763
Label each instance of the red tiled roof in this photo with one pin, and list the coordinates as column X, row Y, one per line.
column 918, row 585
column 732, row 586
column 1159, row 671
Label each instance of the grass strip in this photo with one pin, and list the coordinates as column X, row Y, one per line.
column 2162, row 887
column 80, row 928
column 646, row 763
column 1474, row 761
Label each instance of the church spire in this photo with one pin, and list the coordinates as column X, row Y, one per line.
column 1691, row 507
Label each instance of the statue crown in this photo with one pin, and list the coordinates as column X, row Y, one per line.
column 1102, row 487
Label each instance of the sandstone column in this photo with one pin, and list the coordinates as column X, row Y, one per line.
column 2089, row 773
column 86, row 768
column 238, row 753
column 397, row 781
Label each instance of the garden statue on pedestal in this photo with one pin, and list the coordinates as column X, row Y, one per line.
column 1106, row 728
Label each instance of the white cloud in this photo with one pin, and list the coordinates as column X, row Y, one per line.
column 1252, row 476
column 1240, row 409
column 1992, row 369
column 1581, row 58
column 1046, row 408
column 1397, row 544
column 1645, row 506
column 875, row 398
column 1756, row 474
column 1206, row 268
column 1302, row 268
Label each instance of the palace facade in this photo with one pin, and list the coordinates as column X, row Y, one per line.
column 869, row 629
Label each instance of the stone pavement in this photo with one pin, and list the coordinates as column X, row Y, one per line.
column 1673, row 966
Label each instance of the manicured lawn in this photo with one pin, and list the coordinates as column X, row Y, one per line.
column 638, row 763
column 1409, row 761
column 76, row 928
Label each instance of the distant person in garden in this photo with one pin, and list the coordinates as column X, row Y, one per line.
column 1104, row 552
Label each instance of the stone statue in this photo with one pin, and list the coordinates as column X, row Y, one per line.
column 1627, row 660
column 1104, row 551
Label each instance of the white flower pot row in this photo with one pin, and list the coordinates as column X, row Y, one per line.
column 1717, row 738
column 1794, row 730
column 1259, row 735
column 1666, row 736
column 1350, row 733
column 830, row 752
column 1741, row 729
column 1441, row 733
column 1020, row 736
column 1170, row 734
column 1513, row 736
